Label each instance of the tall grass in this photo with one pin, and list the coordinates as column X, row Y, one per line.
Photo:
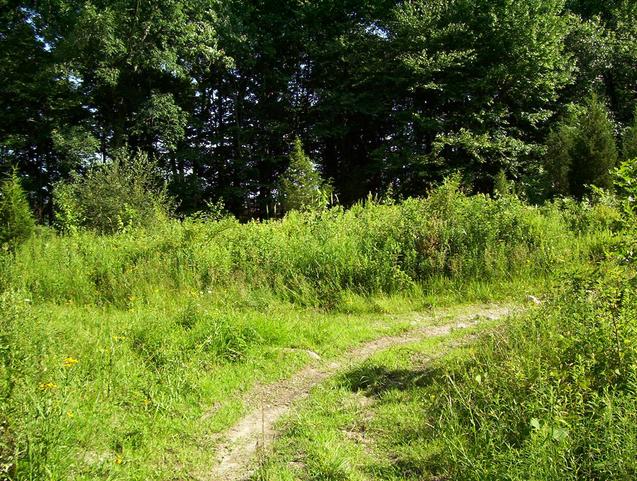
column 549, row 395
column 308, row 258
column 112, row 348
column 553, row 396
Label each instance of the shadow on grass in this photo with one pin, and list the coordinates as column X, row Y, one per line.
column 374, row 380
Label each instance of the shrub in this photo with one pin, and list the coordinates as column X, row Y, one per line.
column 16, row 220
column 124, row 192
column 625, row 180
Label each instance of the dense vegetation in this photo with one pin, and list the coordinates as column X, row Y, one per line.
column 194, row 193
column 115, row 346
column 381, row 93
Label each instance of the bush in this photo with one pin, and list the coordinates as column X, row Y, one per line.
column 16, row 220
column 122, row 193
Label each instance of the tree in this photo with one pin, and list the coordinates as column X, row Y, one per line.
column 594, row 150
column 558, row 158
column 482, row 81
column 581, row 150
column 80, row 80
column 16, row 219
column 302, row 187
column 381, row 91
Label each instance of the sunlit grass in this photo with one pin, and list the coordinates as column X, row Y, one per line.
column 123, row 356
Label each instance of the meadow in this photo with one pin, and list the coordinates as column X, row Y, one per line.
column 549, row 395
column 124, row 355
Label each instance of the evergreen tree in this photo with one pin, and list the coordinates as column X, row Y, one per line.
column 558, row 158
column 16, row 220
column 502, row 186
column 581, row 150
column 594, row 150
column 302, row 187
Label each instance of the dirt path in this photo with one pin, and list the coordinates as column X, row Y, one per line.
column 241, row 444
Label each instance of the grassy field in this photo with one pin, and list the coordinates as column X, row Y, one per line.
column 548, row 396
column 123, row 355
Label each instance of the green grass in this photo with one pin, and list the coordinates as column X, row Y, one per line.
column 152, row 384
column 123, row 355
column 547, row 395
column 368, row 422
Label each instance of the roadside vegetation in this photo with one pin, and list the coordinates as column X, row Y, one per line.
column 549, row 395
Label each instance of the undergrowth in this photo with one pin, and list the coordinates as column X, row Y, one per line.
column 311, row 258
column 553, row 396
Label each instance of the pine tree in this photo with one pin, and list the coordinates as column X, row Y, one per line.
column 581, row 150
column 558, row 158
column 301, row 186
column 502, row 186
column 16, row 219
column 594, row 150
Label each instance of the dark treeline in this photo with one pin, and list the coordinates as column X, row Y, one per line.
column 381, row 92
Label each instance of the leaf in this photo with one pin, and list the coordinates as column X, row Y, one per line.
column 535, row 423
column 559, row 434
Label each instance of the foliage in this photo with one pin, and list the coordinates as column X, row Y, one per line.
column 116, row 345
column 302, row 187
column 625, row 181
column 16, row 219
column 109, row 197
column 553, row 394
column 546, row 395
column 381, row 92
column 581, row 150
column 307, row 257
column 629, row 141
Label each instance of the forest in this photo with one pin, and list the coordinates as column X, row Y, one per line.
column 328, row 240
column 384, row 95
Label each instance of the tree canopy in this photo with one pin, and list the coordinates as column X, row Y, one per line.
column 381, row 93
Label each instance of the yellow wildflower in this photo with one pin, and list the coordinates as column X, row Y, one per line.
column 119, row 459
column 70, row 361
column 69, row 414
column 48, row 385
